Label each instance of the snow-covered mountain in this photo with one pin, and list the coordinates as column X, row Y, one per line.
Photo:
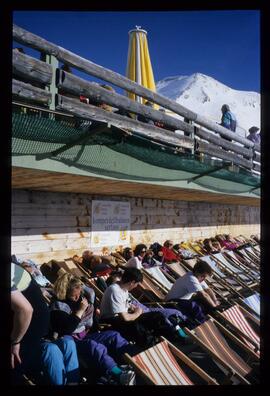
column 205, row 95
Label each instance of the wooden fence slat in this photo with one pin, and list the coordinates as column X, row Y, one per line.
column 29, row 92
column 219, row 141
column 95, row 113
column 78, row 86
column 33, row 69
column 215, row 151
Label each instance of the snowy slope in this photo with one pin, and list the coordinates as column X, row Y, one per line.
column 205, row 96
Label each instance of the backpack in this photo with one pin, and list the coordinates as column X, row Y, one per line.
column 147, row 327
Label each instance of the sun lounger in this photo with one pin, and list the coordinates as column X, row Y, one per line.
column 176, row 269
column 157, row 274
column 210, row 337
column 253, row 302
column 163, row 364
column 235, row 259
column 237, row 317
column 239, row 274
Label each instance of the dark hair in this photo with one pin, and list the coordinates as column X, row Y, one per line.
column 201, row 267
column 132, row 274
column 225, row 107
column 168, row 243
column 126, row 253
column 113, row 275
column 139, row 248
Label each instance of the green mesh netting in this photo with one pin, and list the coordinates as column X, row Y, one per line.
column 113, row 154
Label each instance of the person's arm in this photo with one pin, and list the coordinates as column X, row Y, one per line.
column 209, row 297
column 212, row 295
column 128, row 317
column 23, row 311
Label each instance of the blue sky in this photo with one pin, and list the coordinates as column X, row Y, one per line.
column 222, row 44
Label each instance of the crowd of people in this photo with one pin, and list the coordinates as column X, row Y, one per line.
column 57, row 327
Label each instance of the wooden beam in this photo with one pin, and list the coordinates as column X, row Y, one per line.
column 215, row 151
column 90, row 112
column 78, row 86
column 35, row 179
column 30, row 68
column 29, row 92
column 219, row 141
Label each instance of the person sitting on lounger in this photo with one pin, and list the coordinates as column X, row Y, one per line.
column 149, row 260
column 169, row 255
column 136, row 260
column 193, row 296
column 72, row 313
column 123, row 314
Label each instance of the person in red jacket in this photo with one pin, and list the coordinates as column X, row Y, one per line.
column 169, row 255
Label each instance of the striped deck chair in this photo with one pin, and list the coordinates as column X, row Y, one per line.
column 176, row 269
column 158, row 366
column 235, row 316
column 228, row 280
column 157, row 274
column 234, row 258
column 235, row 271
column 149, row 290
column 253, row 253
column 249, row 260
column 257, row 248
column 253, row 302
column 212, row 340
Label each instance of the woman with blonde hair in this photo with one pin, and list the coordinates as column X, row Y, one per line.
column 72, row 313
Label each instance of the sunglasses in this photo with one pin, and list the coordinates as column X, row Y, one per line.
column 143, row 251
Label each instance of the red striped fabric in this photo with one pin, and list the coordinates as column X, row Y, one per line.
column 209, row 334
column 160, row 365
column 236, row 317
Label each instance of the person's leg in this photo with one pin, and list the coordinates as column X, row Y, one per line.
column 115, row 343
column 68, row 348
column 95, row 355
column 191, row 309
column 52, row 364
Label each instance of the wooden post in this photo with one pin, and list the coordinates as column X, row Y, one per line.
column 52, row 60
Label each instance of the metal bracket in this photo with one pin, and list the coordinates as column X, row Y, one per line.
column 208, row 172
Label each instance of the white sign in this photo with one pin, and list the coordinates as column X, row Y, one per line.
column 110, row 223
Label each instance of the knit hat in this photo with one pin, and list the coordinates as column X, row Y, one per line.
column 225, row 107
column 253, row 129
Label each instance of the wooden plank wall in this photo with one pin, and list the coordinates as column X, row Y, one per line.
column 48, row 225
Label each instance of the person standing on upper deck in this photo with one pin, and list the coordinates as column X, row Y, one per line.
column 253, row 135
column 228, row 119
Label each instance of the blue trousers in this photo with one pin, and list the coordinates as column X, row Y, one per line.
column 57, row 360
column 99, row 349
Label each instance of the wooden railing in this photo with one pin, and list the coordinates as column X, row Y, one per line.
column 36, row 81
